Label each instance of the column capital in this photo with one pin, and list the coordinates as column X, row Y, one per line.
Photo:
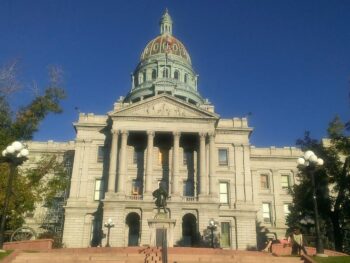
column 115, row 132
column 202, row 134
column 176, row 134
column 150, row 133
column 124, row 132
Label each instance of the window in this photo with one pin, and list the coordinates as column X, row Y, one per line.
column 163, row 157
column 188, row 188
column 176, row 74
column 223, row 160
column 285, row 181
column 186, row 78
column 264, row 181
column 136, row 187
column 266, row 207
column 188, row 158
column 98, row 195
column 138, row 155
column 166, row 73
column 286, row 210
column 100, row 153
column 154, row 74
column 224, row 193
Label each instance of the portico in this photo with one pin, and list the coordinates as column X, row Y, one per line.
column 171, row 129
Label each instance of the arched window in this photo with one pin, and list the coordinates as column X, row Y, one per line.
column 144, row 76
column 176, row 74
column 186, row 78
column 166, row 73
column 154, row 73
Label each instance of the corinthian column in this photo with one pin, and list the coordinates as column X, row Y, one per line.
column 175, row 172
column 122, row 162
column 113, row 162
column 202, row 165
column 212, row 186
column 149, row 167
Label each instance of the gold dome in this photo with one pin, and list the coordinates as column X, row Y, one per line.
column 163, row 44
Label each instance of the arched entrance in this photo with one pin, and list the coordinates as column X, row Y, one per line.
column 189, row 230
column 133, row 223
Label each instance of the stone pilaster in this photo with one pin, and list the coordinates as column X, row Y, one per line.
column 202, row 170
column 149, row 163
column 122, row 163
column 113, row 162
column 175, row 170
column 212, row 182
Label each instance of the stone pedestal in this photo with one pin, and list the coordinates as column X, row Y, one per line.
column 160, row 223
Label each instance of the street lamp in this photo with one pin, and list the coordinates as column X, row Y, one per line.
column 310, row 161
column 14, row 154
column 109, row 224
column 212, row 226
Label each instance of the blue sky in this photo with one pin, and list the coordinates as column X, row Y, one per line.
column 286, row 62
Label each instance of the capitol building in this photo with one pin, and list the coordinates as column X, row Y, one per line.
column 164, row 133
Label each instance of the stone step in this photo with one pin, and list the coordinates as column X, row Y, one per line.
column 150, row 255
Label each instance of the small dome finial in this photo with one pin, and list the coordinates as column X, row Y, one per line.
column 166, row 23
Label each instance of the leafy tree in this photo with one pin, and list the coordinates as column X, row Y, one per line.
column 34, row 184
column 332, row 186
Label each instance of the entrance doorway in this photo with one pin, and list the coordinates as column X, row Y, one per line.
column 133, row 222
column 189, row 230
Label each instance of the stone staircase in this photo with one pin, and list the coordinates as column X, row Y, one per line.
column 149, row 255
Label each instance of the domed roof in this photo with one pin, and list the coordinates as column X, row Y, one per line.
column 163, row 44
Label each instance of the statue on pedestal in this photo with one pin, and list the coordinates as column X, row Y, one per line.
column 161, row 195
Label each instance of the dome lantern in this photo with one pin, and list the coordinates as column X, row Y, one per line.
column 166, row 24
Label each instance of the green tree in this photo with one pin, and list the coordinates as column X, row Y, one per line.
column 34, row 184
column 332, row 184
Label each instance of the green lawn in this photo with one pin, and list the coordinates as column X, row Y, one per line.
column 4, row 254
column 345, row 259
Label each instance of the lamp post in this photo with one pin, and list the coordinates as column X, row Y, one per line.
column 310, row 162
column 212, row 226
column 109, row 224
column 14, row 154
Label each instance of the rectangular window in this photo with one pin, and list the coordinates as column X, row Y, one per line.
column 188, row 157
column 264, row 181
column 224, row 193
column 286, row 210
column 188, row 188
column 100, row 153
column 223, row 159
column 285, row 181
column 163, row 157
column 138, row 156
column 98, row 195
column 225, row 234
column 266, row 207
column 136, row 187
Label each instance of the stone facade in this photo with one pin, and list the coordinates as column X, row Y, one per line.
column 164, row 133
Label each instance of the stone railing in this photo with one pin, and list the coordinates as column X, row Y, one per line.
column 190, row 198
column 134, row 197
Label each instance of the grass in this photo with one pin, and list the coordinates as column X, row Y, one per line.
column 343, row 259
column 5, row 254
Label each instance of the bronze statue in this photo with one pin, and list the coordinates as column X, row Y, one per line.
column 161, row 195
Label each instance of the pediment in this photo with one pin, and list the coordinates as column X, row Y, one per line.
column 164, row 106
